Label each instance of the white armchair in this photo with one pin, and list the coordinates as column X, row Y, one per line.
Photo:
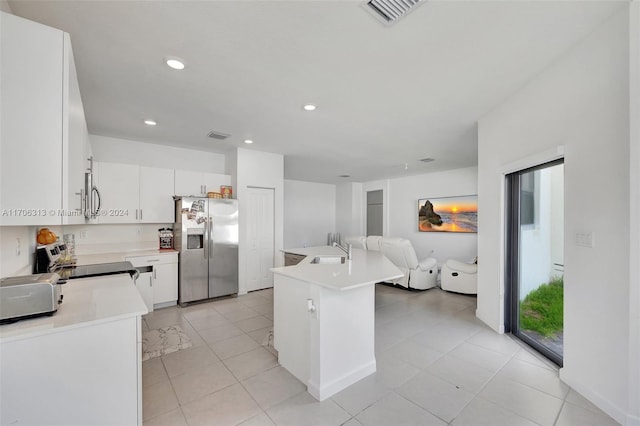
column 417, row 275
column 356, row 241
column 459, row 277
column 373, row 242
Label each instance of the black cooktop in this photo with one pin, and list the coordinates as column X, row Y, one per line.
column 98, row 269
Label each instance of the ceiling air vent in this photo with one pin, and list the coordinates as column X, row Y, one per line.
column 427, row 160
column 217, row 135
column 389, row 11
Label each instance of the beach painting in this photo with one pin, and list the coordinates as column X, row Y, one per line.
column 448, row 214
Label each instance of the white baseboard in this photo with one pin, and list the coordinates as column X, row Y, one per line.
column 335, row 386
column 611, row 409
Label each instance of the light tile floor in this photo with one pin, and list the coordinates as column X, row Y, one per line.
column 437, row 364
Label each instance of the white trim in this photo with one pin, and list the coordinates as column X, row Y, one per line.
column 533, row 160
column 342, row 382
column 609, row 407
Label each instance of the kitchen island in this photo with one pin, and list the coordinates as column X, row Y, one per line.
column 324, row 323
column 80, row 366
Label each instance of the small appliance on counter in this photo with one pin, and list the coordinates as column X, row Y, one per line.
column 29, row 296
column 165, row 237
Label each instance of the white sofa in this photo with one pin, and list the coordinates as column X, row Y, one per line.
column 459, row 277
column 356, row 241
column 374, row 242
column 419, row 275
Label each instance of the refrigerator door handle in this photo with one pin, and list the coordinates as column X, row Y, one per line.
column 210, row 236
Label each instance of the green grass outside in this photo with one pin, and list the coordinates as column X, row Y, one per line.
column 542, row 309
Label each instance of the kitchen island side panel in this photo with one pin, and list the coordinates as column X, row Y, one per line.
column 77, row 376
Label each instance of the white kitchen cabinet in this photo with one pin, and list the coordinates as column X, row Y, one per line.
column 156, row 195
column 31, row 76
column 134, row 194
column 43, row 135
column 164, row 276
column 119, row 192
column 75, row 146
column 144, row 284
column 188, row 182
column 165, row 284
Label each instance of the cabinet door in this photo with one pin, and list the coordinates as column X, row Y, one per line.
column 75, row 140
column 156, row 195
column 144, row 284
column 189, row 183
column 31, row 75
column 212, row 181
column 119, row 192
column 165, row 283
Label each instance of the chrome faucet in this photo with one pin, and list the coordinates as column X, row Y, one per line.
column 346, row 250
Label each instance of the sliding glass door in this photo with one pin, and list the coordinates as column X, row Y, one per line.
column 535, row 257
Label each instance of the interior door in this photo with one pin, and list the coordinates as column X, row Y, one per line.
column 260, row 238
column 535, row 257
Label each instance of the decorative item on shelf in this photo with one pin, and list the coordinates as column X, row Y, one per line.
column 45, row 236
column 226, row 191
column 165, row 236
column 214, row 195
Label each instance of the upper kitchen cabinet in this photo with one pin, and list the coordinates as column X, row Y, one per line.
column 31, row 77
column 41, row 125
column 156, row 195
column 134, row 194
column 76, row 148
column 199, row 183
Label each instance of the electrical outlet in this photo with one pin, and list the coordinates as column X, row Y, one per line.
column 585, row 239
column 83, row 235
column 139, row 232
column 17, row 247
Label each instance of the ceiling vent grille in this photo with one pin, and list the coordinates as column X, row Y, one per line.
column 391, row 10
column 427, row 160
column 217, row 135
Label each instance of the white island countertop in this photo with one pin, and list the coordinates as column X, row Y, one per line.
column 87, row 301
column 365, row 268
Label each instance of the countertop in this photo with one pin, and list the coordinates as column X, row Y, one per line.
column 88, row 259
column 366, row 267
column 87, row 301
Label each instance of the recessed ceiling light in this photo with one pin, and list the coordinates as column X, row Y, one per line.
column 248, row 141
column 175, row 63
column 150, row 122
column 309, row 107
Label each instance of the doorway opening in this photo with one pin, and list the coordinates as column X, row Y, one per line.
column 535, row 257
column 375, row 208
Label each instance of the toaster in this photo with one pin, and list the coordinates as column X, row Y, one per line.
column 29, row 296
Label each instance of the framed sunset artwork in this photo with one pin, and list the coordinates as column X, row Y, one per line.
column 448, row 214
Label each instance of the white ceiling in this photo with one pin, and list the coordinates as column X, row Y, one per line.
column 386, row 96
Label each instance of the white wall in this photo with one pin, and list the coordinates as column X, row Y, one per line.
column 582, row 102
column 113, row 150
column 349, row 221
column 4, row 6
column 309, row 213
column 262, row 170
column 12, row 262
column 634, row 209
column 401, row 207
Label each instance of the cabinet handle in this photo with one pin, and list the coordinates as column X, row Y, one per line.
column 154, row 273
column 136, row 214
column 140, row 214
column 153, row 260
column 204, row 189
column 150, row 282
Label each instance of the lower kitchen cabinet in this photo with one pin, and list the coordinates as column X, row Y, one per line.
column 158, row 281
column 144, row 284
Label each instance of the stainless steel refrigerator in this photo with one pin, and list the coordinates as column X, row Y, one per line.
column 206, row 234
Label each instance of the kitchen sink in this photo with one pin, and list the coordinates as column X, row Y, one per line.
column 328, row 259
